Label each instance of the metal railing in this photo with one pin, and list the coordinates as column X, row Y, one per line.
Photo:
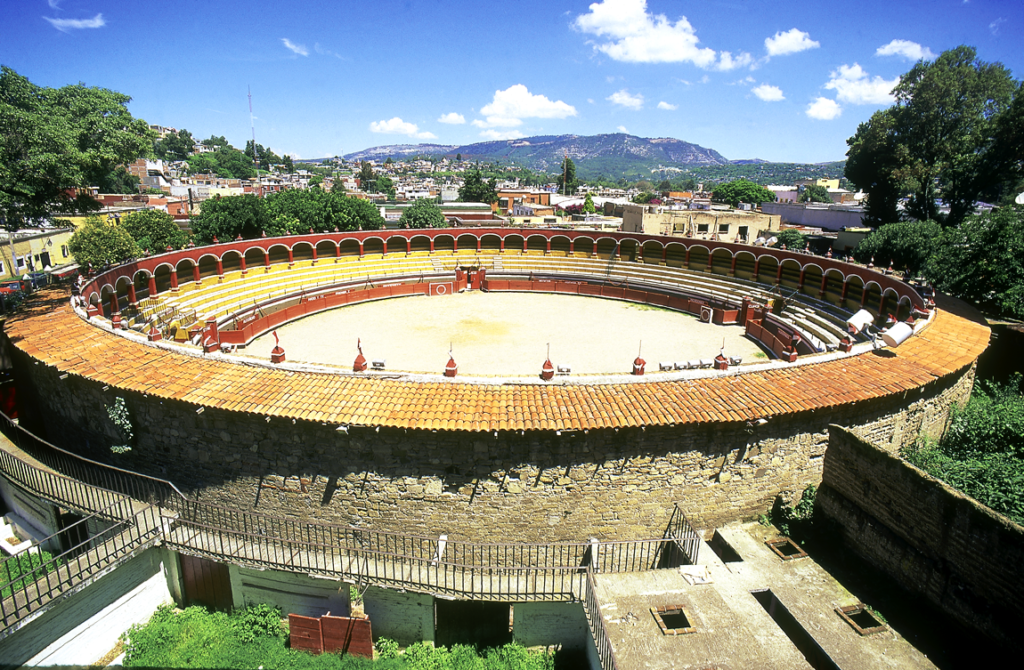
column 686, row 538
column 132, row 484
column 33, row 578
column 592, row 609
column 496, row 571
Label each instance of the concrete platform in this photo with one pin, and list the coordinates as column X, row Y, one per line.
column 732, row 629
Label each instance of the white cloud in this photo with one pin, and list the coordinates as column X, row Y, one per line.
column 622, row 129
column 905, row 48
column 790, row 42
column 299, row 49
column 824, row 109
column 64, row 25
column 852, row 84
column 994, row 26
column 397, row 126
column 726, row 62
column 590, row 100
column 634, row 35
column 454, row 118
column 511, row 106
column 768, row 93
column 326, row 52
column 626, row 99
column 54, row 4
column 501, row 134
column 667, row 105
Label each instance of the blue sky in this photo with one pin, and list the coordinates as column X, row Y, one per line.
column 779, row 80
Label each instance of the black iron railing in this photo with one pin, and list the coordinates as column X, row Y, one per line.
column 592, row 608
column 498, row 571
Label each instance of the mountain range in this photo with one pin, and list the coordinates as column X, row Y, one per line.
column 613, row 155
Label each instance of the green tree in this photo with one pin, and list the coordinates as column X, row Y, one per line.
column 567, row 182
column 216, row 141
column 475, row 189
column 315, row 181
column 365, row 176
column 458, row 157
column 665, row 185
column 175, row 146
column 909, row 245
column 154, row 230
column 791, row 239
column 337, row 186
column 56, row 141
column 286, row 162
column 321, row 211
column 384, row 185
column 118, row 180
column 940, row 138
column 815, row 193
column 99, row 244
column 588, row 205
column 227, row 218
column 423, row 214
column 227, row 162
column 982, row 261
column 742, row 190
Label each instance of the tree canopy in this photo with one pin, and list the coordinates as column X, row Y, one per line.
column 982, row 261
column 54, row 141
column 567, row 182
column 475, row 189
column 100, row 243
column 175, row 146
column 227, row 162
column 943, row 139
column 908, row 245
column 741, row 190
column 791, row 239
column 154, row 230
column 815, row 193
column 423, row 214
column 588, row 205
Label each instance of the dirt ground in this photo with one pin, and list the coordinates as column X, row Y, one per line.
column 504, row 334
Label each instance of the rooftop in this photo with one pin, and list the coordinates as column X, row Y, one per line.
column 954, row 340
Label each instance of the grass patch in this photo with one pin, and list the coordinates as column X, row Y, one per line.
column 25, row 568
column 644, row 307
column 256, row 637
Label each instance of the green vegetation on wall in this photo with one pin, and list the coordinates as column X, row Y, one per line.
column 982, row 452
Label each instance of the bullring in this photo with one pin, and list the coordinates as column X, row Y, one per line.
column 573, row 458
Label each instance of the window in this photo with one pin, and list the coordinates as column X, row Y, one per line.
column 21, row 263
column 64, row 250
column 702, row 227
column 743, row 232
column 2, row 270
column 723, row 229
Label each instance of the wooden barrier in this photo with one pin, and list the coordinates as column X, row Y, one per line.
column 331, row 634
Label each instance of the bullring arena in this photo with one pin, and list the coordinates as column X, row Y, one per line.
column 644, row 449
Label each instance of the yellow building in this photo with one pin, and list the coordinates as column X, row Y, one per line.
column 34, row 250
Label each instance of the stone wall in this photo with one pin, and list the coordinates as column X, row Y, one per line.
column 537, row 486
column 935, row 541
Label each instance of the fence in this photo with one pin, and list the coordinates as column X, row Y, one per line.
column 592, row 609
column 33, row 578
column 488, row 571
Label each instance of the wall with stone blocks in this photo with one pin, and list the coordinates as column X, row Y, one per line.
column 538, row 486
column 536, row 624
column 962, row 556
column 81, row 628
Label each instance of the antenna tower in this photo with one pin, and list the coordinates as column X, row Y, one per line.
column 255, row 153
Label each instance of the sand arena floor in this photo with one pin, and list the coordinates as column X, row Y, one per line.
column 504, row 334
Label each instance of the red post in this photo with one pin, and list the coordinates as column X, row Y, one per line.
column 664, row 255
column 314, row 255
column 824, row 284
column 431, row 245
column 524, row 245
column 803, row 272
column 360, row 248
column 266, row 260
column 478, row 243
column 456, row 247
column 502, row 245
column 291, row 260
column 242, row 264
column 131, row 294
column 778, row 274
column 152, row 286
column 547, row 247
column 385, row 247
column 732, row 267
column 220, row 268
column 408, row 246
column 757, row 268
column 174, row 279
column 196, row 277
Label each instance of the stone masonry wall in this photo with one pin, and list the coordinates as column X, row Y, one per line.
column 959, row 554
column 537, row 486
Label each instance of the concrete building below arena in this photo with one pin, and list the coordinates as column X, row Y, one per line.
column 727, row 226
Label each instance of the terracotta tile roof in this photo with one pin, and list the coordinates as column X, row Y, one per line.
column 53, row 334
